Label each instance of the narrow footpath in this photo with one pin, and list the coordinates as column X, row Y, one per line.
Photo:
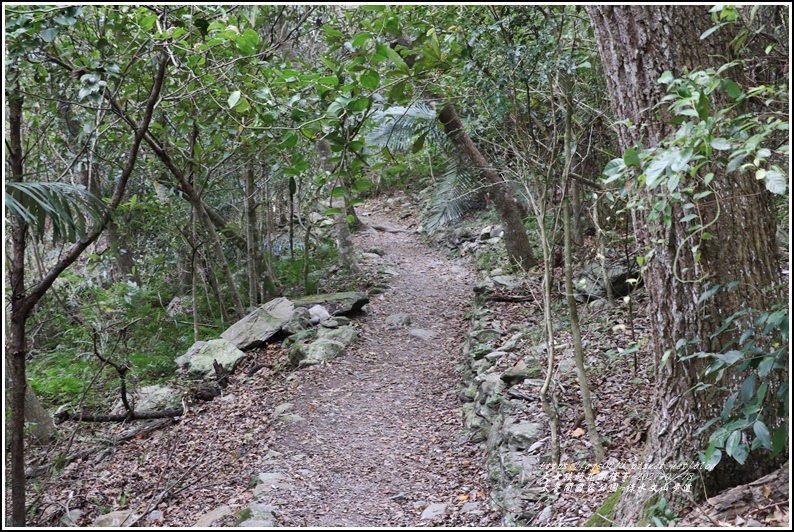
column 375, row 437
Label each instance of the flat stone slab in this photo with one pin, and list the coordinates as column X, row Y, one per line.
column 258, row 327
column 424, row 334
column 338, row 303
column 224, row 352
column 434, row 511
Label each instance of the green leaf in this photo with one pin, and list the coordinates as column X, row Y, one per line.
column 748, row 389
column 713, row 457
column 776, row 182
column 762, row 433
column 711, row 30
column 396, row 59
column 733, row 90
column 379, row 9
column 732, row 357
column 741, row 453
column 359, row 104
column 350, row 218
column 726, row 410
column 733, row 442
column 234, row 97
column 370, row 80
column 288, row 141
column 703, row 106
column 147, row 23
column 631, row 157
column 333, row 211
column 720, row 143
column 49, row 34
column 242, row 106
column 359, row 40
column 362, row 185
column 666, row 77
column 339, row 192
column 779, row 439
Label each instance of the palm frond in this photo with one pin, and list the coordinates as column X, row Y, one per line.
column 68, row 206
column 401, row 127
column 457, row 194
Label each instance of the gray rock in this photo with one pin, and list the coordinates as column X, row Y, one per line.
column 184, row 360
column 338, row 303
column 224, row 352
column 522, row 434
column 424, row 334
column 267, row 482
column 400, row 319
column 589, row 283
column 470, row 507
column 341, row 321
column 493, row 241
column 370, row 256
column 511, row 282
column 206, row 520
column 511, row 343
column 318, row 313
column 119, row 519
column 497, row 231
column 376, row 251
column 302, row 336
column 344, row 335
column 71, row 517
column 299, row 321
column 544, row 516
column 434, row 511
column 316, row 352
column 280, row 409
column 486, row 335
column 156, row 397
column 490, row 386
column 259, row 326
column 519, row 373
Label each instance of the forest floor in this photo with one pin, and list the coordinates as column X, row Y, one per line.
column 374, row 438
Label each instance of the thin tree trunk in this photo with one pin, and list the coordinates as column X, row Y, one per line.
column 344, row 243
column 519, row 250
column 24, row 299
column 251, row 237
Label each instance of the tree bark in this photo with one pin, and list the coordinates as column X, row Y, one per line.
column 637, row 44
column 519, row 250
column 252, row 241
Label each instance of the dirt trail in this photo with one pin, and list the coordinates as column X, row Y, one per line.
column 381, row 436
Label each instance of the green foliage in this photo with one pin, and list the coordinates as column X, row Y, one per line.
column 757, row 354
column 713, row 138
column 661, row 515
column 66, row 206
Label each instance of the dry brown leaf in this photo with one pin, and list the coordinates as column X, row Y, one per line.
column 463, row 497
column 765, row 491
column 595, row 469
column 578, row 433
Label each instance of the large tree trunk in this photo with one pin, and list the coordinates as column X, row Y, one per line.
column 637, row 44
column 519, row 250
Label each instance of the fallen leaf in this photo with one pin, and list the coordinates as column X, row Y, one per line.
column 595, row 470
column 569, row 466
column 463, row 497
column 765, row 491
column 578, row 433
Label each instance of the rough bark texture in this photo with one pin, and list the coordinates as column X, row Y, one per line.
column 637, row 44
column 519, row 250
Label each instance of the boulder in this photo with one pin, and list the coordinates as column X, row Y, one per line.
column 184, row 360
column 424, row 334
column 344, row 335
column 318, row 313
column 338, row 304
column 259, row 326
column 224, row 352
column 299, row 321
column 119, row 519
column 316, row 352
column 399, row 319
column 589, row 283
column 434, row 511
column 260, row 516
column 156, row 397
column 519, row 373
column 206, row 520
column 521, row 434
